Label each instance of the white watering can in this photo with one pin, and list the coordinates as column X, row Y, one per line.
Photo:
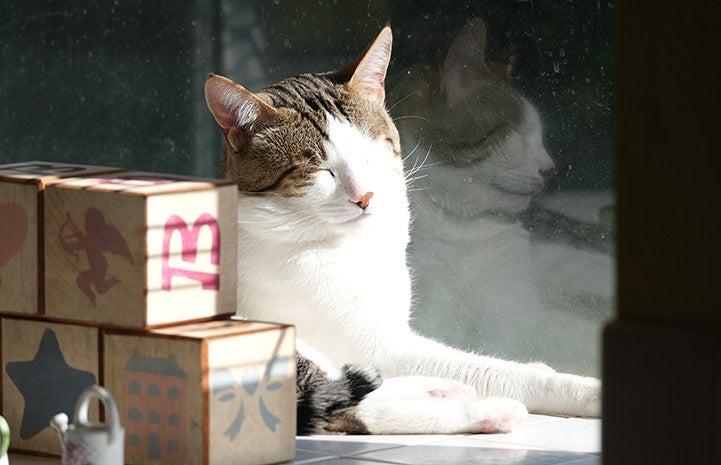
column 91, row 443
column 4, row 441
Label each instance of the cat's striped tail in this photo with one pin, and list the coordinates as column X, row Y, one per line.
column 326, row 405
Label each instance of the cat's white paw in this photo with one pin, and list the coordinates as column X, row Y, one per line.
column 451, row 388
column 498, row 415
column 440, row 415
column 574, row 396
column 590, row 392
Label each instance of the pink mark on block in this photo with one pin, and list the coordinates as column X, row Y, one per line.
column 138, row 181
column 189, row 253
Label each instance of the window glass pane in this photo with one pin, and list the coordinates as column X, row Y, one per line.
column 113, row 82
column 512, row 239
column 512, row 243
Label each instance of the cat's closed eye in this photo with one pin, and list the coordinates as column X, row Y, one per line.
column 325, row 180
column 395, row 148
column 482, row 139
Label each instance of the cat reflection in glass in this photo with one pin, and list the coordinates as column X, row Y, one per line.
column 323, row 227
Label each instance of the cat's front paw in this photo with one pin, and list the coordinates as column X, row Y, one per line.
column 578, row 396
column 591, row 398
column 498, row 415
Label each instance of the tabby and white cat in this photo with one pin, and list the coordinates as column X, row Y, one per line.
column 323, row 224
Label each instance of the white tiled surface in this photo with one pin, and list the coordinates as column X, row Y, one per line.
column 542, row 440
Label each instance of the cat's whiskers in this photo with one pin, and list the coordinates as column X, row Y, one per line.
column 417, row 189
column 497, row 150
column 419, row 164
column 398, row 118
column 403, row 99
column 308, row 220
column 412, row 152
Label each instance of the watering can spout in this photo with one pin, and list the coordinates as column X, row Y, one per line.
column 60, row 424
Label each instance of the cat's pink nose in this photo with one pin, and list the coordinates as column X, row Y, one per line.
column 364, row 200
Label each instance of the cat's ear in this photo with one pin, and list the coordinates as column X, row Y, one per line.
column 465, row 61
column 238, row 112
column 367, row 73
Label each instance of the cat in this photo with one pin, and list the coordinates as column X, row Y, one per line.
column 323, row 224
column 481, row 142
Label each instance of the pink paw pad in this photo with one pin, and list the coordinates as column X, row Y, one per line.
column 460, row 391
column 505, row 424
column 487, row 427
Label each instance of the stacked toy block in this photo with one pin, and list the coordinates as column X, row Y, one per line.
column 131, row 285
column 22, row 188
column 219, row 392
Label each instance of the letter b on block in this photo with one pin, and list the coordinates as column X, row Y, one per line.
column 192, row 253
column 191, row 249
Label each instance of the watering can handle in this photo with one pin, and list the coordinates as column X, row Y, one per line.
column 111, row 410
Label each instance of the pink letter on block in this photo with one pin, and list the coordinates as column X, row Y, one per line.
column 189, row 238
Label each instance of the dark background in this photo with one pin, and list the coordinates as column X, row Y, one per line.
column 119, row 82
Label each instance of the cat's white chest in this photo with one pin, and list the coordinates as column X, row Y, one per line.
column 335, row 293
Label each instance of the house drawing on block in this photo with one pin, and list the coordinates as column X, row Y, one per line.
column 154, row 416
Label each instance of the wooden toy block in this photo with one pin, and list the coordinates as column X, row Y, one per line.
column 45, row 367
column 213, row 393
column 21, row 229
column 140, row 250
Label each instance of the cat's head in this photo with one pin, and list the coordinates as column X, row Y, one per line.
column 480, row 128
column 317, row 151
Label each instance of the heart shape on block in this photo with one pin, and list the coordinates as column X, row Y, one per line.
column 13, row 230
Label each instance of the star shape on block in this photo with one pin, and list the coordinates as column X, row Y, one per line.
column 48, row 384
